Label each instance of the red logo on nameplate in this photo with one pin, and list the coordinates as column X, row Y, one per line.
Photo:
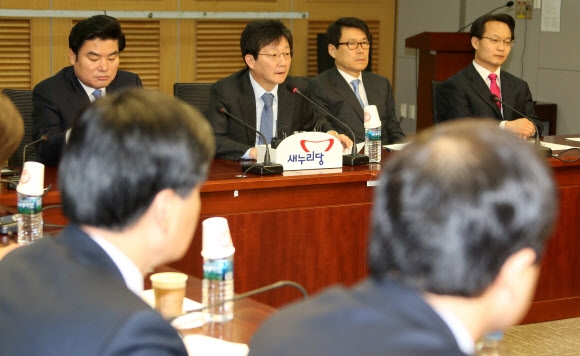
column 303, row 144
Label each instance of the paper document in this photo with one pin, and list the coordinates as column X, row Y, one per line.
column 201, row 345
column 555, row 146
column 395, row 146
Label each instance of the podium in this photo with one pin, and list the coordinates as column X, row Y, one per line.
column 441, row 54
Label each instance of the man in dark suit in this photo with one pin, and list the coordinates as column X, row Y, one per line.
column 95, row 45
column 467, row 93
column 130, row 179
column 267, row 50
column 349, row 42
column 454, row 252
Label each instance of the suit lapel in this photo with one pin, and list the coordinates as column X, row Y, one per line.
column 285, row 110
column 77, row 89
column 344, row 89
column 481, row 89
column 374, row 95
column 247, row 103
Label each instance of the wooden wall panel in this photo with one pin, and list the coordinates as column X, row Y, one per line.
column 15, row 54
column 165, row 51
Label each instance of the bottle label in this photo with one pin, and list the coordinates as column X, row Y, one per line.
column 218, row 270
column 29, row 204
column 374, row 134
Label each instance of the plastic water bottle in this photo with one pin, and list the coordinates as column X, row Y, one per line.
column 492, row 345
column 30, row 226
column 373, row 143
column 30, row 190
column 218, row 286
column 218, row 270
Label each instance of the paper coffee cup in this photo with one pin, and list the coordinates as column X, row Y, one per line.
column 32, row 179
column 216, row 239
column 169, row 289
column 371, row 117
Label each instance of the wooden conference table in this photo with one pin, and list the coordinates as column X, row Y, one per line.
column 311, row 227
column 248, row 315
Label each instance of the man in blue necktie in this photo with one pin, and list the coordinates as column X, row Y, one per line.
column 95, row 46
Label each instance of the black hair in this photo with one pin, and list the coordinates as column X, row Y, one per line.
column 127, row 147
column 334, row 30
column 478, row 26
column 261, row 33
column 454, row 204
column 99, row 26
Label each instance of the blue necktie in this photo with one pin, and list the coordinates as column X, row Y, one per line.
column 356, row 92
column 97, row 93
column 267, row 120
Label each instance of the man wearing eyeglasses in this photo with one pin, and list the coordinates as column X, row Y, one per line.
column 345, row 89
column 467, row 93
column 259, row 94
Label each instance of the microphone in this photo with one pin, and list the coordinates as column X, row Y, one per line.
column 42, row 138
column 185, row 318
column 263, row 168
column 354, row 158
column 508, row 4
column 545, row 151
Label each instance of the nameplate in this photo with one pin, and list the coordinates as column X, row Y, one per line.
column 306, row 150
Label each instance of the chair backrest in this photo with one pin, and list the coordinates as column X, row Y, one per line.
column 195, row 94
column 22, row 99
column 434, row 86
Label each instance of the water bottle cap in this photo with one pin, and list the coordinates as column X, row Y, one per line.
column 32, row 179
column 494, row 336
column 217, row 241
column 371, row 117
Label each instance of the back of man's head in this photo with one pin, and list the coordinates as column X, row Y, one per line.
column 99, row 26
column 455, row 204
column 11, row 128
column 127, row 147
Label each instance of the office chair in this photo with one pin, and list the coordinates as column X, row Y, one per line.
column 434, row 86
column 195, row 94
column 22, row 99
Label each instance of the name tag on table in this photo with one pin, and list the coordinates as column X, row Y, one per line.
column 305, row 150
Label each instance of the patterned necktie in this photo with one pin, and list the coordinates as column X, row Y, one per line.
column 97, row 93
column 267, row 120
column 494, row 88
column 356, row 92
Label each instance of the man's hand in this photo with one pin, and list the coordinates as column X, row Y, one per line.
column 253, row 153
column 5, row 249
column 343, row 139
column 521, row 127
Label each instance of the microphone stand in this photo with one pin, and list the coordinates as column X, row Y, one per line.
column 266, row 167
column 352, row 159
column 508, row 4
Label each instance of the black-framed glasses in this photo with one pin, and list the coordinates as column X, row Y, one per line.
column 496, row 41
column 354, row 45
column 275, row 56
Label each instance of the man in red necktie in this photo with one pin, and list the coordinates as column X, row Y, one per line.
column 467, row 93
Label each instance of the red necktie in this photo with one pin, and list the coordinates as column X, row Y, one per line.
column 494, row 88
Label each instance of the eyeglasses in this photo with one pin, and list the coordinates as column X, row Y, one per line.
column 354, row 45
column 495, row 41
column 275, row 56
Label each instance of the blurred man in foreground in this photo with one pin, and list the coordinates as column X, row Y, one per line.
column 130, row 179
column 11, row 132
column 454, row 252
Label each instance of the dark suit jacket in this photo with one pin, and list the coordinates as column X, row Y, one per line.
column 236, row 95
column 56, row 103
column 332, row 92
column 371, row 319
column 467, row 95
column 65, row 296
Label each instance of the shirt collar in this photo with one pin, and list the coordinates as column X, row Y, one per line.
column 259, row 91
column 131, row 274
column 349, row 78
column 459, row 331
column 485, row 73
column 90, row 90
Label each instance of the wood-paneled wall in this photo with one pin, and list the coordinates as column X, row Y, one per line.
column 165, row 51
